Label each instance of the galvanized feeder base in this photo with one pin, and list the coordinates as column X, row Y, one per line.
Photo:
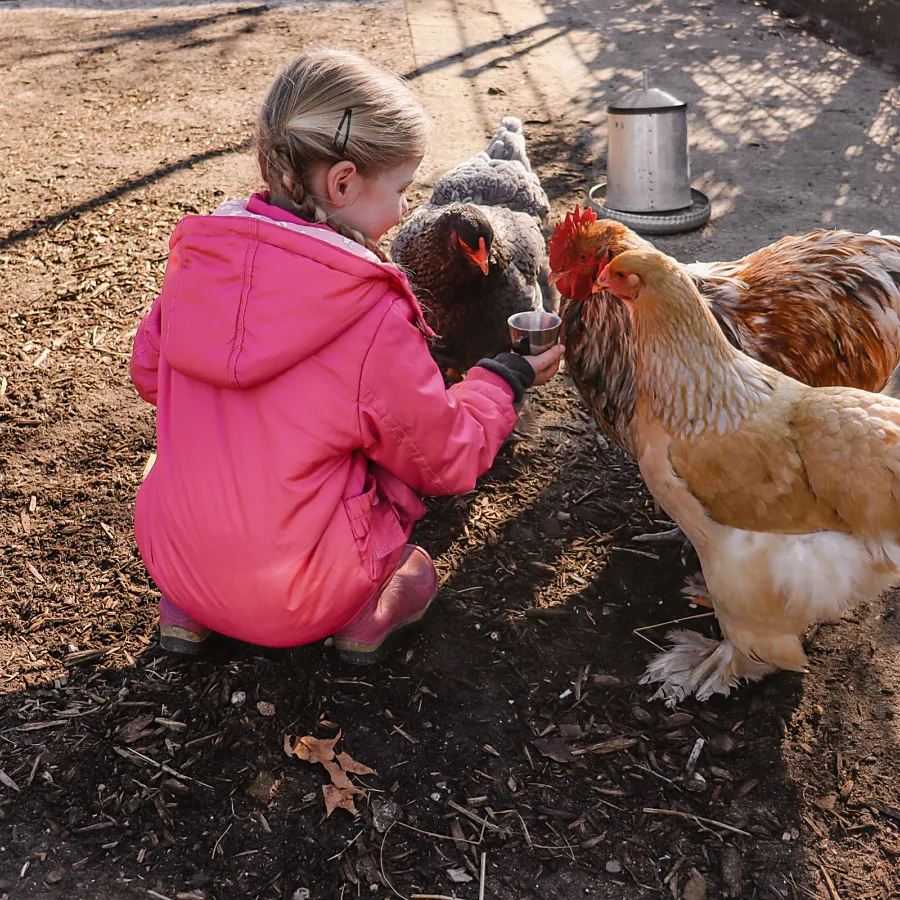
column 675, row 222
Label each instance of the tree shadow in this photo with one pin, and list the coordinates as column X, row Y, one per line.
column 49, row 222
column 163, row 30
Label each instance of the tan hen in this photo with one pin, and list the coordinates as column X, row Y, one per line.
column 788, row 493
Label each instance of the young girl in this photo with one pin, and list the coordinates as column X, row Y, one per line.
column 298, row 409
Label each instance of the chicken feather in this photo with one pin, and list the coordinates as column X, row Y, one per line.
column 788, row 493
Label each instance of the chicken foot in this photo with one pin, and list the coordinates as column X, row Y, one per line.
column 700, row 666
column 672, row 536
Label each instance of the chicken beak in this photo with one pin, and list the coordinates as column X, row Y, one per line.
column 481, row 257
column 556, row 276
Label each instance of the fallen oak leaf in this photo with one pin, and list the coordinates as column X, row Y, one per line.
column 348, row 764
column 310, row 749
column 339, row 798
column 340, row 778
column 340, row 793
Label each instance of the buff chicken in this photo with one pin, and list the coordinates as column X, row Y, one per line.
column 788, row 493
column 475, row 253
column 822, row 307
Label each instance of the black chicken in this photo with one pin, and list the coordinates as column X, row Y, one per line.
column 475, row 253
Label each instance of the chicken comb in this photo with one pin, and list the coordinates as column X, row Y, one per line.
column 565, row 231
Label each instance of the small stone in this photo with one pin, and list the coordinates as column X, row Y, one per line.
column 436, row 796
column 695, row 889
column 385, row 814
column 459, row 876
column 238, row 699
column 613, row 867
column 265, row 708
column 55, row 877
column 301, row 894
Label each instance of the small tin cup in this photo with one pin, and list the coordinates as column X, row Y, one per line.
column 533, row 332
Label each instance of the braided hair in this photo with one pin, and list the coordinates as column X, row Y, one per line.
column 301, row 125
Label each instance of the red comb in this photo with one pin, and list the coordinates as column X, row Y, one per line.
column 565, row 231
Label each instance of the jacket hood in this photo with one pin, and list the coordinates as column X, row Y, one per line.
column 257, row 290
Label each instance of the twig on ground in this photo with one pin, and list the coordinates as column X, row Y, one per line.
column 638, row 631
column 352, row 842
column 698, row 819
column 440, row 837
column 219, row 841
column 384, row 877
column 481, row 882
column 832, row 890
column 475, row 818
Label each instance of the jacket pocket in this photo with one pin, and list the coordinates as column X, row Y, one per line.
column 375, row 528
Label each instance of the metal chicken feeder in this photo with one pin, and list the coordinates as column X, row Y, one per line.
column 647, row 183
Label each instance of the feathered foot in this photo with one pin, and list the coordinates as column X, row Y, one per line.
column 696, row 591
column 700, row 666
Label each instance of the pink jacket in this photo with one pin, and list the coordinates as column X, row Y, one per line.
column 298, row 413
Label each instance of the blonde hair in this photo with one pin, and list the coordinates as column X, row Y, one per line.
column 329, row 105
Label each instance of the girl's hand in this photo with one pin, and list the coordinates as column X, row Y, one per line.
column 545, row 364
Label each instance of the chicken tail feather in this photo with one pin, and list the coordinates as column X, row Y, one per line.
column 508, row 142
column 697, row 665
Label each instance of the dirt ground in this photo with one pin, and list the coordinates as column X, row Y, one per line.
column 512, row 733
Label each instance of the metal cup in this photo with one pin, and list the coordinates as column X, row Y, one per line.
column 540, row 330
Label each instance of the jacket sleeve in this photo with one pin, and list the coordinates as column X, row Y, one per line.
column 435, row 440
column 145, row 354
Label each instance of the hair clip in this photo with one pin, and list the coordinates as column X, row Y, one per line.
column 336, row 144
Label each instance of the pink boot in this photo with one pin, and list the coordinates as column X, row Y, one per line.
column 402, row 602
column 178, row 632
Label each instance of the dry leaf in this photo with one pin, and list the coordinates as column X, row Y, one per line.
column 8, row 781
column 555, row 749
column 340, row 778
column 340, row 793
column 570, row 732
column 348, row 764
column 339, row 798
column 310, row 749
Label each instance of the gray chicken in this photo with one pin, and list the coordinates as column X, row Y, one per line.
column 475, row 253
column 498, row 176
